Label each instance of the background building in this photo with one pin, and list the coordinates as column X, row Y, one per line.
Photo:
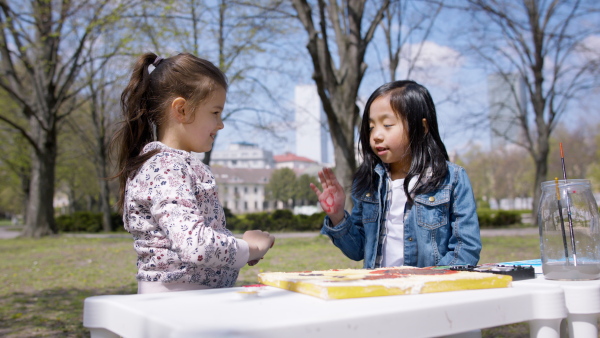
column 312, row 135
column 242, row 190
column 243, row 171
column 506, row 98
column 243, row 155
column 295, row 162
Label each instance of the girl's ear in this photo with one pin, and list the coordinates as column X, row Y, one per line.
column 425, row 126
column 178, row 110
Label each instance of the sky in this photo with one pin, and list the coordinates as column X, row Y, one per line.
column 447, row 73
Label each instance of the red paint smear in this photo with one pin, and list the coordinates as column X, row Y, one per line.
column 328, row 204
column 396, row 273
column 253, row 285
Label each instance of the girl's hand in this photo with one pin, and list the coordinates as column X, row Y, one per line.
column 333, row 197
column 259, row 242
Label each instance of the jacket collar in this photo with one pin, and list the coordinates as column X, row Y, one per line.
column 156, row 145
column 383, row 171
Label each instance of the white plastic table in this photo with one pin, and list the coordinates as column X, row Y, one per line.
column 281, row 313
column 582, row 299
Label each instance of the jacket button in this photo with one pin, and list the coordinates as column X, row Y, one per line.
column 368, row 194
column 431, row 199
column 410, row 239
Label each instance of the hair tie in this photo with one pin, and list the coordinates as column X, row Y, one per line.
column 157, row 61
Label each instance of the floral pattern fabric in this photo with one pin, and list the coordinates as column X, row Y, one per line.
column 178, row 225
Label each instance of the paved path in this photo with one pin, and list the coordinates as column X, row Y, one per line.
column 509, row 232
column 8, row 234
column 484, row 233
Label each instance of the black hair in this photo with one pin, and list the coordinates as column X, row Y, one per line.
column 412, row 103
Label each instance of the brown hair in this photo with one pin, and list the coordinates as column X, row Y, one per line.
column 148, row 96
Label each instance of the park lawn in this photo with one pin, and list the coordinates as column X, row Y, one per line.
column 43, row 282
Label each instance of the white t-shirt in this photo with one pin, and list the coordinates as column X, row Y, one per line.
column 393, row 245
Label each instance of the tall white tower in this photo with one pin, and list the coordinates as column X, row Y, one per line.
column 507, row 98
column 311, row 125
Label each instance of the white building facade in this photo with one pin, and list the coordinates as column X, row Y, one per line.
column 243, row 155
column 242, row 190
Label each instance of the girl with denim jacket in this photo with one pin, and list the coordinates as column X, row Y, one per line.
column 172, row 109
column 411, row 206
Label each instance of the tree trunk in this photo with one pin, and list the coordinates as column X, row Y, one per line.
column 25, row 177
column 105, row 208
column 343, row 145
column 337, row 84
column 541, row 171
column 40, row 207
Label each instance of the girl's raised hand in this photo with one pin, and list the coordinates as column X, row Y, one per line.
column 333, row 197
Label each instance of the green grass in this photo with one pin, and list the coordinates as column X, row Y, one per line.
column 44, row 282
column 506, row 249
column 5, row 222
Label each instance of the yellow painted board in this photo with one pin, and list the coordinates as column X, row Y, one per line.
column 356, row 283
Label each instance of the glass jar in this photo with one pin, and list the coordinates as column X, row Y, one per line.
column 569, row 230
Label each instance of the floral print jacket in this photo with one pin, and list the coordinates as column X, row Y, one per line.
column 178, row 225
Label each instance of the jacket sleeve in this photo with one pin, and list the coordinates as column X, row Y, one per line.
column 465, row 242
column 349, row 235
column 191, row 227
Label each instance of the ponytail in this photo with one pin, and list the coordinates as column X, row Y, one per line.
column 138, row 126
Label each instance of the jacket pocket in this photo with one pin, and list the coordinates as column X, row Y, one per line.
column 433, row 208
column 370, row 207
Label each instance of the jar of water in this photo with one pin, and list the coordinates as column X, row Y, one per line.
column 569, row 230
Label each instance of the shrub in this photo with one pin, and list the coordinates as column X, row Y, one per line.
column 87, row 221
column 65, row 223
column 117, row 222
column 497, row 218
column 80, row 221
column 258, row 221
column 283, row 220
column 278, row 220
column 312, row 222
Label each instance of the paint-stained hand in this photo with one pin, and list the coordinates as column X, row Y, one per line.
column 333, row 197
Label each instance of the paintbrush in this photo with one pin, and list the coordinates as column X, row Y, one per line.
column 562, row 220
column 571, row 232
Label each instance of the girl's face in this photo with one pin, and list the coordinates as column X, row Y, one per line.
column 389, row 137
column 200, row 133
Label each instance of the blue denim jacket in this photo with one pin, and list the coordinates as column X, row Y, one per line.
column 440, row 228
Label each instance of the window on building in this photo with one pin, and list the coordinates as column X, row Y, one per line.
column 245, row 205
column 245, row 190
